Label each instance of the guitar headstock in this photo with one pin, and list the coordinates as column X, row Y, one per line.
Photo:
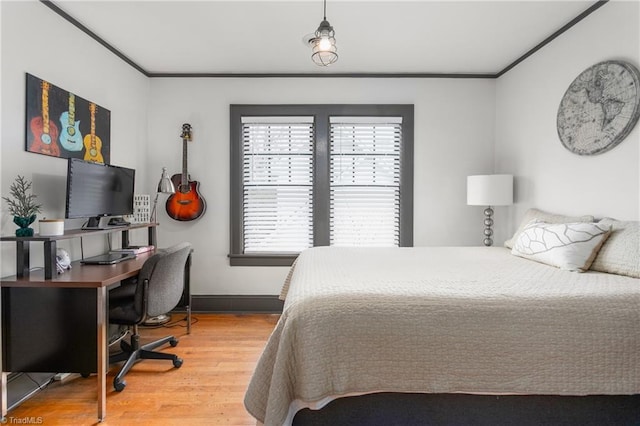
column 186, row 132
column 93, row 108
column 45, row 85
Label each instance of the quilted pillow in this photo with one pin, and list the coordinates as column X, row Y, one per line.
column 570, row 246
column 542, row 216
column 620, row 254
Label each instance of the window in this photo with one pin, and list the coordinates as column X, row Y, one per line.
column 277, row 182
column 365, row 181
column 314, row 175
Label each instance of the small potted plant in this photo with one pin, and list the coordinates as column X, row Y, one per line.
column 22, row 206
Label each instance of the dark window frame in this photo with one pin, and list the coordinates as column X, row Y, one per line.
column 321, row 164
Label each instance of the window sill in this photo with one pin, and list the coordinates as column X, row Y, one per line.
column 262, row 259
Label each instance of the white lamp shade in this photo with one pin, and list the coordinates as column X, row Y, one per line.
column 490, row 190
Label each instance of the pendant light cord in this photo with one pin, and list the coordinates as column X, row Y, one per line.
column 325, row 10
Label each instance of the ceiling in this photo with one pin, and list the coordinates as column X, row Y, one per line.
column 266, row 37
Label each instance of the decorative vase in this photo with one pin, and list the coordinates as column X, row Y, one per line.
column 23, row 223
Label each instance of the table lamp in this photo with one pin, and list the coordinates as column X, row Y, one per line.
column 165, row 186
column 489, row 190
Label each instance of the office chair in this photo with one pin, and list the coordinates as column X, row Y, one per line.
column 156, row 290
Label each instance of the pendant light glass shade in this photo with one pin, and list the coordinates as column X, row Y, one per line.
column 323, row 46
column 324, row 50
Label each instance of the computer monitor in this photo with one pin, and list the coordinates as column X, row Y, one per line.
column 97, row 191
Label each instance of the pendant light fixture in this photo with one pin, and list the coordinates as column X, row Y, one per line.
column 323, row 43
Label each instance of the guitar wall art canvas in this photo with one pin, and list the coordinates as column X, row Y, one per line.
column 61, row 124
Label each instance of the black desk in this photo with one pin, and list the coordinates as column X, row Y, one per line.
column 60, row 324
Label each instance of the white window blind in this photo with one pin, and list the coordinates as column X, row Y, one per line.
column 277, row 184
column 365, row 181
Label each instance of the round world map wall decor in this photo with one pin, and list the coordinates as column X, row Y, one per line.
column 600, row 108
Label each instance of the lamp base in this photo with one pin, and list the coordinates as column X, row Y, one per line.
column 158, row 320
column 488, row 223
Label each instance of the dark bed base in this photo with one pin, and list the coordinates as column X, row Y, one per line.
column 392, row 409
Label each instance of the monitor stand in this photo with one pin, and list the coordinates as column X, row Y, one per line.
column 97, row 222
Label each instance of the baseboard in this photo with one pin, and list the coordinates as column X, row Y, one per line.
column 236, row 304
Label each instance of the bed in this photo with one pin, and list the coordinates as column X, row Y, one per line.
column 443, row 321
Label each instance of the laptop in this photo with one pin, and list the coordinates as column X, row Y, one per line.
column 107, row 258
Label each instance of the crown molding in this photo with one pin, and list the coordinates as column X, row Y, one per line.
column 322, row 75
column 51, row 5
column 597, row 5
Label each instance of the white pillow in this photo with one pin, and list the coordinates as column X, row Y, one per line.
column 542, row 216
column 569, row 246
column 620, row 254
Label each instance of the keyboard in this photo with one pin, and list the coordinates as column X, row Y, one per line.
column 118, row 221
column 107, row 258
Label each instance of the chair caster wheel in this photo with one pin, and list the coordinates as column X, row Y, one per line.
column 84, row 375
column 177, row 362
column 173, row 342
column 119, row 385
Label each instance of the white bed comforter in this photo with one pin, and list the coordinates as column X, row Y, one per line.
column 444, row 319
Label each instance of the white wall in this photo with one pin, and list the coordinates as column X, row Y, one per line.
column 454, row 129
column 454, row 135
column 527, row 98
column 37, row 41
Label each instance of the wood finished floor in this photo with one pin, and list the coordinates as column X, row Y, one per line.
column 219, row 357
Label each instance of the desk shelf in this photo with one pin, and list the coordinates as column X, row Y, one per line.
column 50, row 245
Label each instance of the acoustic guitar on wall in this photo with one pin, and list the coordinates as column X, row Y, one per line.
column 186, row 203
column 45, row 132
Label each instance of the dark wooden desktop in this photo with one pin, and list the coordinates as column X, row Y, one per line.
column 23, row 245
column 59, row 324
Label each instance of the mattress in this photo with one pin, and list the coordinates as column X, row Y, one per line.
column 444, row 320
